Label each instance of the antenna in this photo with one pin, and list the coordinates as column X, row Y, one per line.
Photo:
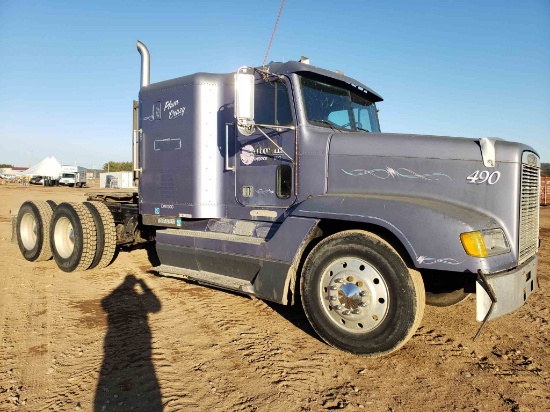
column 274, row 29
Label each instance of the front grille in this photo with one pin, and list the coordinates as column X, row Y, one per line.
column 529, row 212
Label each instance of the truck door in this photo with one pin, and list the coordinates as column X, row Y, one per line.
column 265, row 166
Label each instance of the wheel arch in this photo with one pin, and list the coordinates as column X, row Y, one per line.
column 425, row 231
column 332, row 226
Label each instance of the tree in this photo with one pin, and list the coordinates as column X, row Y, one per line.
column 5, row 165
column 545, row 169
column 118, row 166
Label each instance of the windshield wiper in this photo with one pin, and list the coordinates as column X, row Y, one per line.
column 360, row 128
column 332, row 125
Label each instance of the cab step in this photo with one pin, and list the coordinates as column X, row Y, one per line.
column 212, row 279
column 227, row 237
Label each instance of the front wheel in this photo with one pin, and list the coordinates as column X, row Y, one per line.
column 359, row 295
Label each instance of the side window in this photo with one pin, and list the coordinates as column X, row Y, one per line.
column 272, row 104
column 364, row 113
column 284, row 181
column 363, row 119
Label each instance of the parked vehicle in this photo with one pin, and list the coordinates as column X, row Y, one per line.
column 37, row 180
column 276, row 182
column 72, row 176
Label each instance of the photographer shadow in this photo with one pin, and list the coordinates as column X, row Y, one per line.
column 127, row 379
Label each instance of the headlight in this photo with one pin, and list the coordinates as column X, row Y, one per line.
column 485, row 243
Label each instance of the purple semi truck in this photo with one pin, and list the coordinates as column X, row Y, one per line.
column 276, row 182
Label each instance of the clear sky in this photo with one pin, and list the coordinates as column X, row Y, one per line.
column 69, row 70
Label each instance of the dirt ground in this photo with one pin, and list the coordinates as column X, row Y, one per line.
column 123, row 338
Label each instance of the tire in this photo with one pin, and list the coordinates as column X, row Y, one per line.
column 52, row 205
column 73, row 237
column 445, row 289
column 106, row 234
column 446, row 299
column 359, row 295
column 32, row 230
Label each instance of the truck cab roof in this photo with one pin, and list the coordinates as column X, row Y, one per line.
column 276, row 68
column 318, row 72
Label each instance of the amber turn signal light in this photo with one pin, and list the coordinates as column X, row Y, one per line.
column 473, row 244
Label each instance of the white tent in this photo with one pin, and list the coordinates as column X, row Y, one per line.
column 49, row 167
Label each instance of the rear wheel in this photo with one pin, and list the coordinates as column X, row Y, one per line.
column 52, row 205
column 32, row 230
column 73, row 237
column 106, row 234
column 359, row 295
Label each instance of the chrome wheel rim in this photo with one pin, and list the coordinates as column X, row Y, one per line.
column 28, row 230
column 64, row 237
column 354, row 295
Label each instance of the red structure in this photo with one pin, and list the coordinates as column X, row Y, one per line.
column 544, row 190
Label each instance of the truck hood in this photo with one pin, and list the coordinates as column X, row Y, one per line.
column 421, row 146
column 441, row 168
column 448, row 171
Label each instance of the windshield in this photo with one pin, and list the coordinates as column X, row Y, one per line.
column 338, row 108
column 68, row 175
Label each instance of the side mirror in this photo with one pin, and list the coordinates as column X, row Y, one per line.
column 244, row 100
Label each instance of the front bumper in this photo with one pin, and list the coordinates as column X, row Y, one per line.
column 511, row 288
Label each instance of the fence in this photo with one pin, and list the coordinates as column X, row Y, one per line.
column 544, row 190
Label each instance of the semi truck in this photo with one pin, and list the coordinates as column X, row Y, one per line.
column 73, row 176
column 276, row 182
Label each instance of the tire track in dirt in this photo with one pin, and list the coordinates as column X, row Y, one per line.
column 72, row 367
column 210, row 355
column 35, row 347
column 12, row 391
column 493, row 358
column 263, row 345
column 188, row 304
column 259, row 341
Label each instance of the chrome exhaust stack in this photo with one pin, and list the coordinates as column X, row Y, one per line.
column 136, row 138
column 145, row 64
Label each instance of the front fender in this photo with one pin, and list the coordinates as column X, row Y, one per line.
column 428, row 229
